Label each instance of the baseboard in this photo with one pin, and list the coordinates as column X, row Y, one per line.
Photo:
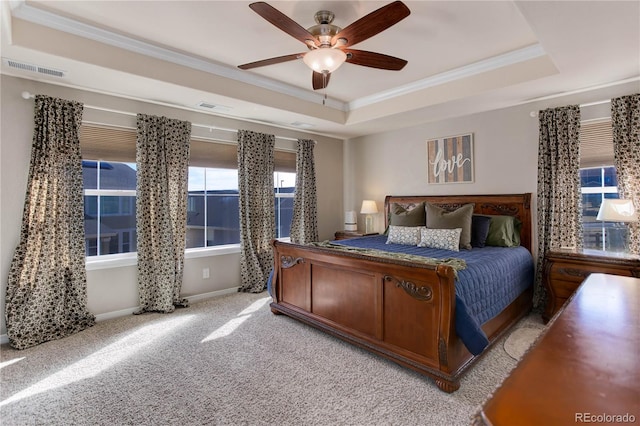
column 116, row 314
column 203, row 296
column 129, row 311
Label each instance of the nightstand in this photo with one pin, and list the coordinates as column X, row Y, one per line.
column 345, row 235
column 565, row 269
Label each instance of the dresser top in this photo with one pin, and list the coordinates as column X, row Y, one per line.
column 573, row 252
column 585, row 362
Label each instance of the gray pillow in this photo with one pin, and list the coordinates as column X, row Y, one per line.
column 400, row 216
column 460, row 218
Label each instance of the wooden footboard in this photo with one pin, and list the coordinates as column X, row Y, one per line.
column 399, row 310
column 396, row 309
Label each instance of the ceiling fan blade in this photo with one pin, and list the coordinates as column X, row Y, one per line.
column 372, row 24
column 319, row 80
column 283, row 22
column 374, row 60
column 271, row 61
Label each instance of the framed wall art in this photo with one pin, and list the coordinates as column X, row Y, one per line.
column 450, row 159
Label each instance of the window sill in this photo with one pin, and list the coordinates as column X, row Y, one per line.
column 111, row 261
column 195, row 253
column 131, row 259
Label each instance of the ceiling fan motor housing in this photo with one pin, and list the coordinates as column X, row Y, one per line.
column 324, row 30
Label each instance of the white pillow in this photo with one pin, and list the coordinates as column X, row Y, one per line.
column 448, row 239
column 407, row 235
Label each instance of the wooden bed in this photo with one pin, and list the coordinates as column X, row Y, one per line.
column 400, row 310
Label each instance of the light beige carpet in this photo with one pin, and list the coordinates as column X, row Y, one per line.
column 520, row 340
column 227, row 361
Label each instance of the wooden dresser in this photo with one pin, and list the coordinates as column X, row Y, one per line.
column 583, row 368
column 565, row 269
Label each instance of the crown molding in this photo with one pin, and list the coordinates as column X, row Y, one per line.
column 490, row 64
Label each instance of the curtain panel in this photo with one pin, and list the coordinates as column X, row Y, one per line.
column 625, row 122
column 162, row 157
column 559, row 197
column 304, row 223
column 257, row 217
column 46, row 295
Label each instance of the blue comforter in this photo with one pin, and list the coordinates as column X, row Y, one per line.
column 494, row 277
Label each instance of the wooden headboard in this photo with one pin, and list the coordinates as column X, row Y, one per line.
column 518, row 205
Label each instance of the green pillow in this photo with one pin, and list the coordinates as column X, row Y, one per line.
column 400, row 216
column 461, row 218
column 504, row 231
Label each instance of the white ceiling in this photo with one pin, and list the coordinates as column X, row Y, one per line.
column 463, row 56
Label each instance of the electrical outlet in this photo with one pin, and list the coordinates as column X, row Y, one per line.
column 205, row 273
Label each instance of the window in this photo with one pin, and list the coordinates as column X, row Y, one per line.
column 213, row 216
column 213, row 212
column 109, row 207
column 598, row 180
column 212, row 203
column 285, row 185
column 598, row 183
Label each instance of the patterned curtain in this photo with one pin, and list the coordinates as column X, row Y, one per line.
column 257, row 217
column 304, row 223
column 625, row 120
column 162, row 156
column 47, row 287
column 559, row 198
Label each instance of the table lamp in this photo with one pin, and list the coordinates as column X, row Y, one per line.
column 368, row 208
column 617, row 210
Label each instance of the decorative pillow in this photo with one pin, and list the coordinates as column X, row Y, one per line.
column 504, row 231
column 447, row 239
column 407, row 235
column 439, row 218
column 401, row 216
column 479, row 230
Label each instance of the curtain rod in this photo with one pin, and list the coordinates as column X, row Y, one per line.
column 27, row 95
column 606, row 101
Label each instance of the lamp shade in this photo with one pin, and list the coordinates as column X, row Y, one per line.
column 368, row 207
column 324, row 59
column 614, row 210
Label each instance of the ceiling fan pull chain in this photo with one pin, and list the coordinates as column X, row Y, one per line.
column 324, row 84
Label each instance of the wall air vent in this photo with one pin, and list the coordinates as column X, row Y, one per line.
column 214, row 107
column 34, row 68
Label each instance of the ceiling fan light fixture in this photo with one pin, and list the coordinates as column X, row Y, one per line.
column 324, row 59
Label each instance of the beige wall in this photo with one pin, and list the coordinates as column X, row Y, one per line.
column 113, row 290
column 505, row 153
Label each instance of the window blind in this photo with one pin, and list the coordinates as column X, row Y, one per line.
column 108, row 143
column 596, row 144
column 118, row 144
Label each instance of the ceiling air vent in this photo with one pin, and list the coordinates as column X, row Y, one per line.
column 214, row 107
column 302, row 125
column 34, row 68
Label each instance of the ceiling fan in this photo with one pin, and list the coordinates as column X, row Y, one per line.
column 330, row 46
